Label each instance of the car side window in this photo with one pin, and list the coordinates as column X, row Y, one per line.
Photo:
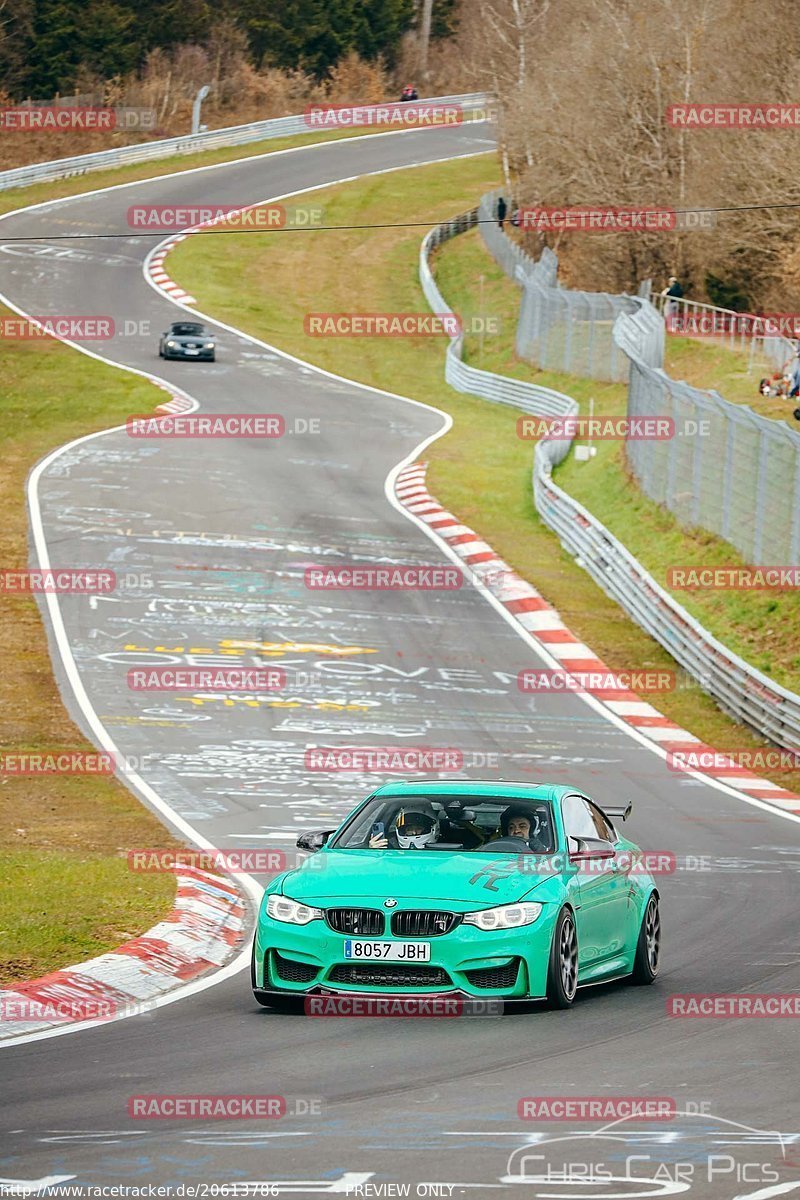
column 577, row 817
column 603, row 827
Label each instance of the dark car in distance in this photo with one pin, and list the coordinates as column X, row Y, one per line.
column 187, row 339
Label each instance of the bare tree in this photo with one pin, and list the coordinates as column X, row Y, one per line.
column 583, row 92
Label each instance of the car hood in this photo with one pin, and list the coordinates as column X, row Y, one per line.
column 189, row 339
column 469, row 880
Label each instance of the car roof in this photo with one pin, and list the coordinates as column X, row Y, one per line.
column 185, row 324
column 475, row 788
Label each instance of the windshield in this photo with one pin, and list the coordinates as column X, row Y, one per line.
column 494, row 826
column 188, row 329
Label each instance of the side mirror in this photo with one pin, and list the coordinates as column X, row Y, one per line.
column 586, row 849
column 314, row 841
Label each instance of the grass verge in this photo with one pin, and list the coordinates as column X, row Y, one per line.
column 711, row 366
column 480, row 470
column 67, row 894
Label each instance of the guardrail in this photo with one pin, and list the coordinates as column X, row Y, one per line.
column 744, row 692
column 500, row 389
column 740, row 689
column 234, row 135
column 745, row 332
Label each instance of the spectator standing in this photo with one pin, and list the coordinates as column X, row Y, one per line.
column 502, row 209
column 672, row 292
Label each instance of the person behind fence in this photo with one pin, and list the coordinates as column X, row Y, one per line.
column 795, row 377
column 779, row 384
column 502, row 209
column 672, row 293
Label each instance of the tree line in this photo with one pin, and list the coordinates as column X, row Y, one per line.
column 47, row 46
column 583, row 88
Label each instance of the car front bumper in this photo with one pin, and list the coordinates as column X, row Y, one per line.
column 323, row 1002
column 511, row 964
column 178, row 352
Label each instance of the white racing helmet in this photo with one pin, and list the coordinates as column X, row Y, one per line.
column 415, row 828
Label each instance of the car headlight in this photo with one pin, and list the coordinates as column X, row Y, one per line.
column 209, row 345
column 507, row 916
column 281, row 908
column 171, row 343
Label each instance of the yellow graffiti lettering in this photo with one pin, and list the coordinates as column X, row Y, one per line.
column 277, row 648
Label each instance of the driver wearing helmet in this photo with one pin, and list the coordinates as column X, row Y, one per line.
column 414, row 829
column 522, row 823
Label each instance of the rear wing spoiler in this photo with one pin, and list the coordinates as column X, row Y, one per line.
column 619, row 812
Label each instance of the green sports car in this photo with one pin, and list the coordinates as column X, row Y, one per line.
column 470, row 889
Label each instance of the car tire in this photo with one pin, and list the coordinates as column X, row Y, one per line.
column 648, row 946
column 562, row 969
column 213, row 358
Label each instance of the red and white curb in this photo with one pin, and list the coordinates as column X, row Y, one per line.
column 544, row 624
column 155, row 269
column 203, row 930
column 177, row 404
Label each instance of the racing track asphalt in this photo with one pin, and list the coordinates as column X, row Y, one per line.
column 224, row 529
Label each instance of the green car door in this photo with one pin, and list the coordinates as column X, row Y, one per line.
column 603, row 888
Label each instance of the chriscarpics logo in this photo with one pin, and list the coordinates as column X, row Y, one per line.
column 666, row 1152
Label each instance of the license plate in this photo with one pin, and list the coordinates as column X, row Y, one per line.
column 388, row 951
column 188, row 351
